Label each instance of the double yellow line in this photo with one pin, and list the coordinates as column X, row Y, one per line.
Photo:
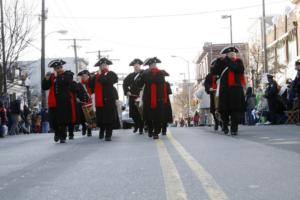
column 173, row 183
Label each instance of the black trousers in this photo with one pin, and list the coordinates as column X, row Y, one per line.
column 85, row 127
column 107, row 129
column 154, row 127
column 60, row 131
column 234, row 118
column 135, row 115
column 71, row 130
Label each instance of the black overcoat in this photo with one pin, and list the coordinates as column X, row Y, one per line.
column 145, row 80
column 63, row 87
column 231, row 98
column 108, row 113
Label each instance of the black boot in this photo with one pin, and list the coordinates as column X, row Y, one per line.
column 135, row 129
column 234, row 129
column 83, row 131
column 108, row 134
column 62, row 141
column 225, row 129
column 101, row 133
column 155, row 136
column 216, row 127
column 89, row 134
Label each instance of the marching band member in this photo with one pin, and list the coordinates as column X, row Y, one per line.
column 154, row 96
column 105, row 98
column 61, row 109
column 132, row 91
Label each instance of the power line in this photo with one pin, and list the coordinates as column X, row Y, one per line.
column 75, row 46
column 169, row 15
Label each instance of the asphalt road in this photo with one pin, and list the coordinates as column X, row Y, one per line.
column 262, row 163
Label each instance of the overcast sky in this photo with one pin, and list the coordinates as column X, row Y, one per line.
column 177, row 27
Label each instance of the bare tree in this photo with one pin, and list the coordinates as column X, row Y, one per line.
column 256, row 63
column 18, row 29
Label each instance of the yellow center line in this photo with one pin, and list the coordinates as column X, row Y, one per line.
column 213, row 190
column 173, row 184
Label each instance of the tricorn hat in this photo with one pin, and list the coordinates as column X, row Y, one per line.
column 136, row 61
column 270, row 76
column 229, row 49
column 212, row 63
column 151, row 61
column 83, row 72
column 103, row 61
column 297, row 62
column 56, row 62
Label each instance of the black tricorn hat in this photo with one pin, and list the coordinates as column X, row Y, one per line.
column 56, row 62
column 212, row 63
column 151, row 61
column 103, row 61
column 270, row 76
column 136, row 61
column 83, row 72
column 229, row 49
column 297, row 62
column 69, row 73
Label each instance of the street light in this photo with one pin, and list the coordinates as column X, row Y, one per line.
column 43, row 49
column 230, row 18
column 63, row 32
column 189, row 81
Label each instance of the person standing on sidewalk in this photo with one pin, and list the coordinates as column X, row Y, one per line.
column 45, row 120
column 15, row 112
column 3, row 121
column 204, row 106
column 296, row 87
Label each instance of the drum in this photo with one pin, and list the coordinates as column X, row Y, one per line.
column 89, row 115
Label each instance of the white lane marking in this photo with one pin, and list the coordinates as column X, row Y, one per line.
column 173, row 184
column 213, row 190
column 286, row 142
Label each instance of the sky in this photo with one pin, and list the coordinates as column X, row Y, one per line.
column 144, row 28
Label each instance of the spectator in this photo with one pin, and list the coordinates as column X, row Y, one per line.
column 45, row 120
column 250, row 107
column 38, row 123
column 3, row 120
column 296, row 87
column 196, row 119
column 15, row 112
column 263, row 110
column 276, row 108
column 26, row 119
column 204, row 106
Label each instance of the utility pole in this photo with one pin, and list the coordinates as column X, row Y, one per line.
column 99, row 56
column 4, row 66
column 264, row 37
column 43, row 19
column 75, row 46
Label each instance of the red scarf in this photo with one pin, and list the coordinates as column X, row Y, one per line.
column 73, row 107
column 99, row 89
column 231, row 76
column 51, row 96
column 153, row 98
column 87, row 86
column 214, row 83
